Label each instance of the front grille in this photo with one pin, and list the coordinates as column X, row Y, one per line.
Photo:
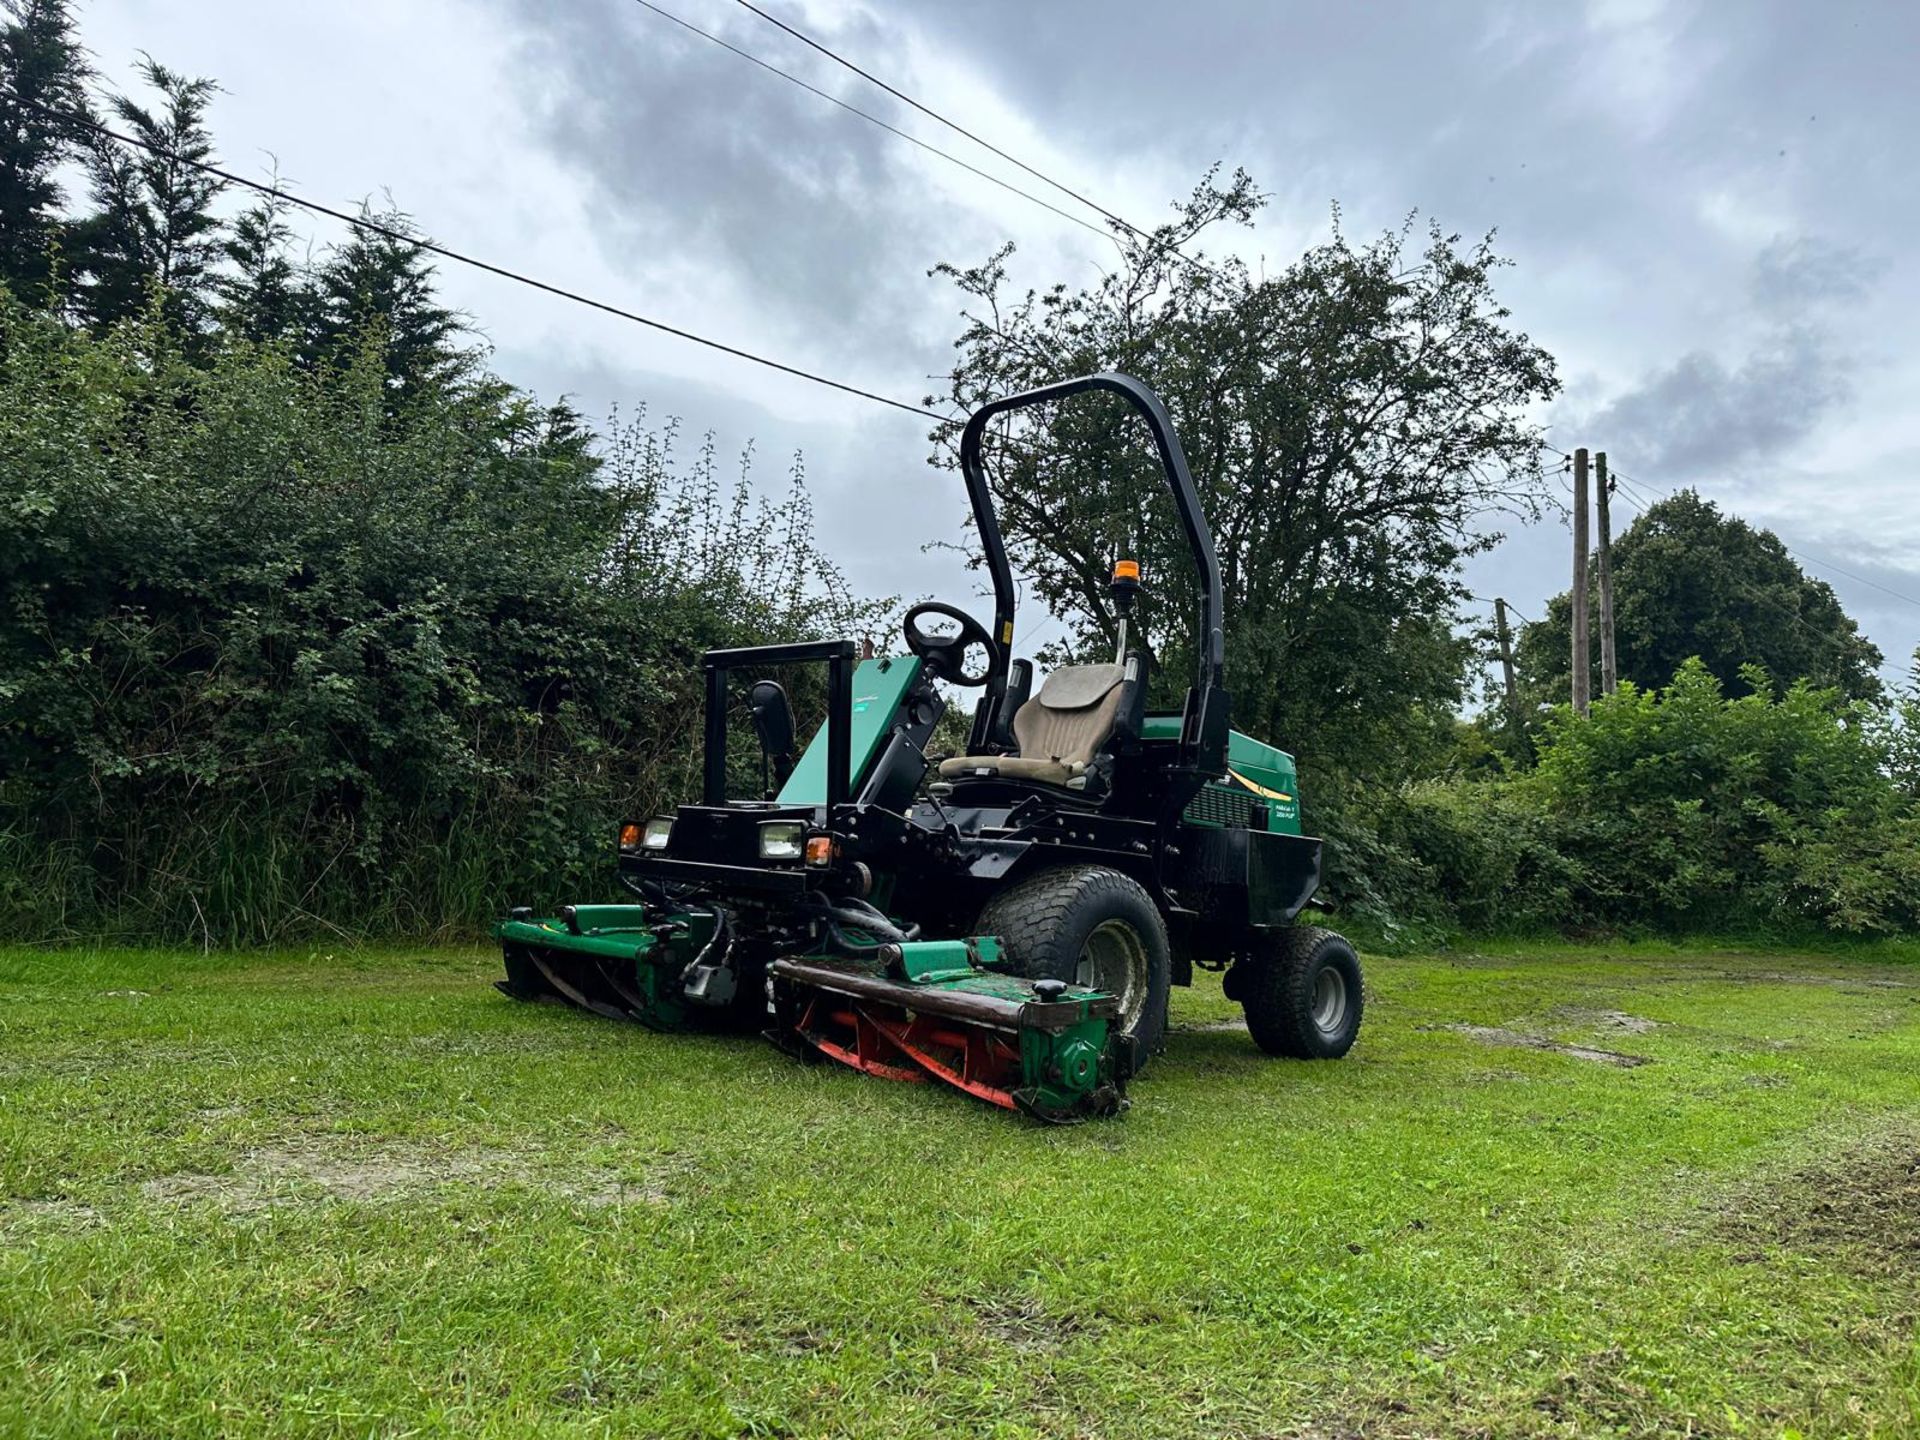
column 1218, row 805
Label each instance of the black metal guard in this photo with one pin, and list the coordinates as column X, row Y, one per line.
column 839, row 655
column 1204, row 734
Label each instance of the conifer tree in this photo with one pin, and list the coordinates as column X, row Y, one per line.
column 153, row 226
column 376, row 289
column 261, row 296
column 41, row 65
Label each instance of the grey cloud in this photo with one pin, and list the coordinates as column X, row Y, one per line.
column 1707, row 196
column 1797, row 272
column 701, row 163
column 1700, row 416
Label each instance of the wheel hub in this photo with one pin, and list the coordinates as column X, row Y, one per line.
column 1329, row 1001
column 1114, row 959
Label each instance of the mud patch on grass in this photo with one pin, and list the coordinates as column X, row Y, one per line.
column 1521, row 1040
column 1813, row 977
column 1862, row 1205
column 1494, row 1077
column 1610, row 1021
column 1596, row 1391
column 1023, row 1324
column 66, row 1214
column 1214, row 1027
column 317, row 1170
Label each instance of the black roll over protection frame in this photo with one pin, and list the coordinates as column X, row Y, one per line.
column 1203, row 727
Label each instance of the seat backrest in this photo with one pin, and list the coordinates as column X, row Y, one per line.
column 1072, row 717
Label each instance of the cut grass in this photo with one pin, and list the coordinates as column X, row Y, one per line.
column 361, row 1193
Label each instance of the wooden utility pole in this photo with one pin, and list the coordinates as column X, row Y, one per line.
column 1602, row 490
column 1505, row 637
column 1582, row 671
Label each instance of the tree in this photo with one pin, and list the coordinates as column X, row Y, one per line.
column 1348, row 420
column 1689, row 580
column 153, row 230
column 378, row 290
column 41, row 64
column 261, row 297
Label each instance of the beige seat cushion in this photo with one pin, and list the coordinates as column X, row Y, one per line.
column 1010, row 767
column 1059, row 731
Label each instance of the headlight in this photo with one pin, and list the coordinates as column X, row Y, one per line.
column 781, row 839
column 657, row 831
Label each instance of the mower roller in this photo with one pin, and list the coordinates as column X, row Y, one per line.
column 1007, row 923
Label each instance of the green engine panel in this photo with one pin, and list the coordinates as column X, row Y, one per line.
column 1260, row 780
column 879, row 685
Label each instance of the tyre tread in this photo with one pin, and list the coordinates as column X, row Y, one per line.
column 1277, row 995
column 1030, row 916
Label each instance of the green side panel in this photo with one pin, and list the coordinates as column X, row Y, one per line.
column 1270, row 774
column 879, row 686
column 1260, row 772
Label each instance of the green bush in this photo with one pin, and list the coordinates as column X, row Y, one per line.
column 276, row 657
column 1672, row 810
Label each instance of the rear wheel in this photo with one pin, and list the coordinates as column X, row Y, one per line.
column 1089, row 926
column 1302, row 996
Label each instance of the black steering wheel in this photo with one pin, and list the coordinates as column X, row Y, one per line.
column 945, row 655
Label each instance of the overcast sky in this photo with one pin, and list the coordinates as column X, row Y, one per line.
column 1705, row 205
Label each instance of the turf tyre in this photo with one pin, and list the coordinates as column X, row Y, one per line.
column 1303, row 998
column 1078, row 923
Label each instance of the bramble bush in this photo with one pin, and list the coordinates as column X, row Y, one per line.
column 277, row 656
column 1665, row 811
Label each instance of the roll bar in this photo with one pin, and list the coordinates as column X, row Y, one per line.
column 1203, row 736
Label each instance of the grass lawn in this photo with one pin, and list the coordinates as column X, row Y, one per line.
column 363, row 1194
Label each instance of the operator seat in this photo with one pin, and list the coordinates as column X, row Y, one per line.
column 1059, row 732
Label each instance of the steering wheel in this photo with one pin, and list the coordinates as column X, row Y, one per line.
column 944, row 655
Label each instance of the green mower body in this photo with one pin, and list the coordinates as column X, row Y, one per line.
column 1007, row 922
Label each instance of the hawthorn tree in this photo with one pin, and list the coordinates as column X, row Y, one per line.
column 1350, row 421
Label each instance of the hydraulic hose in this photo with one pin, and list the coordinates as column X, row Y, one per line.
column 851, row 914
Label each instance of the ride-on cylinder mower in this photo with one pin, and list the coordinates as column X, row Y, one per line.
column 1007, row 923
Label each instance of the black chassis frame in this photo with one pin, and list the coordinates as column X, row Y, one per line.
column 937, row 861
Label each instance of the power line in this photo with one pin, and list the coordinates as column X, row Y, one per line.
column 1512, row 609
column 932, row 114
column 960, row 129
column 872, row 119
column 361, row 222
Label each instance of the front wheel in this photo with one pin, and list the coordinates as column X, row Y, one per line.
column 1090, row 926
column 1303, row 996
